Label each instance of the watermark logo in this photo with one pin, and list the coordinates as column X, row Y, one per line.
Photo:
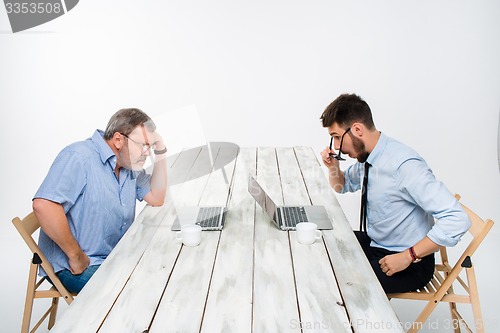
column 28, row 14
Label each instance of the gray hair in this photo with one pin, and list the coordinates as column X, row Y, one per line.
column 125, row 120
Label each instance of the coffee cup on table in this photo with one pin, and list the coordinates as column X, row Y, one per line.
column 190, row 235
column 307, row 233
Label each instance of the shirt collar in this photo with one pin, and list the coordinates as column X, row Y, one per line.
column 105, row 152
column 378, row 149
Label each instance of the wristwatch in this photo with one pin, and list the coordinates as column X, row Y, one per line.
column 414, row 258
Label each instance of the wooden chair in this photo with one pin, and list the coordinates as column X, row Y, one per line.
column 26, row 227
column 440, row 288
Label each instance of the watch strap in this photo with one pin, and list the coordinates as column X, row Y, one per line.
column 414, row 257
column 161, row 151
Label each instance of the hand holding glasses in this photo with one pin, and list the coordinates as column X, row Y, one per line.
column 338, row 156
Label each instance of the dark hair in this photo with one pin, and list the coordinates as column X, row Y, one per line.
column 125, row 120
column 346, row 110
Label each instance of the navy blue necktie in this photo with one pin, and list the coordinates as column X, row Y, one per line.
column 364, row 193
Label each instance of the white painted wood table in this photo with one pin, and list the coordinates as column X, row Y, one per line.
column 250, row 277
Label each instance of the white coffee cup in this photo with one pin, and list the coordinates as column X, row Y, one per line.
column 190, row 235
column 307, row 233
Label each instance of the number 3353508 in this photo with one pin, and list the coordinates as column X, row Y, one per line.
column 33, row 8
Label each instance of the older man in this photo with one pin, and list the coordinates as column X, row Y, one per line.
column 87, row 201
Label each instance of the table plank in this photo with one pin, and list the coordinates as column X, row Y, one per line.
column 155, row 267
column 368, row 308
column 292, row 185
column 184, row 298
column 229, row 303
column 275, row 299
column 108, row 281
column 319, row 299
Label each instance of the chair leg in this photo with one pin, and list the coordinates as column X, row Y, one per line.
column 415, row 327
column 30, row 296
column 53, row 312
column 423, row 316
column 474, row 298
column 454, row 319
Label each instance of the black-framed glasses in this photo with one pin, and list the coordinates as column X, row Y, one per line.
column 144, row 146
column 338, row 156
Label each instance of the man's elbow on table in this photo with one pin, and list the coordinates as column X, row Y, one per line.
column 155, row 198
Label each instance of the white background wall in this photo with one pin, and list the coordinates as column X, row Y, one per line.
column 259, row 73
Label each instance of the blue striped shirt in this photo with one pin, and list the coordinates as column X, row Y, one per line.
column 100, row 207
column 405, row 201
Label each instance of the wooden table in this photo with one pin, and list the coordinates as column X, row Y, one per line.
column 250, row 277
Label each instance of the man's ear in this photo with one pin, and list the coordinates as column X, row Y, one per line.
column 358, row 129
column 118, row 140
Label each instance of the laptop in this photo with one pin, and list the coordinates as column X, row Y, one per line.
column 208, row 217
column 286, row 217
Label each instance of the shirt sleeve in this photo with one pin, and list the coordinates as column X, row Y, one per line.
column 419, row 185
column 65, row 181
column 143, row 185
column 353, row 177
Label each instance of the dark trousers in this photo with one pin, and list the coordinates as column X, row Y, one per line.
column 414, row 277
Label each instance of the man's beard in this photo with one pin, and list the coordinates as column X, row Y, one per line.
column 359, row 148
column 125, row 159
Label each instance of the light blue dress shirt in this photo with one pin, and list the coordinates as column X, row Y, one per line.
column 100, row 207
column 405, row 201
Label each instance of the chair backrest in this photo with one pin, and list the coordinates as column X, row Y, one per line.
column 26, row 227
column 478, row 229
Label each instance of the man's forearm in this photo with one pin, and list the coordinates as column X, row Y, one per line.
column 425, row 247
column 336, row 178
column 158, row 181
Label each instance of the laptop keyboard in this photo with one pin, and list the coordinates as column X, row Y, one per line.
column 208, row 217
column 294, row 215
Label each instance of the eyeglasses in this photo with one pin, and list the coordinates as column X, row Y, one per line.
column 144, row 146
column 338, row 156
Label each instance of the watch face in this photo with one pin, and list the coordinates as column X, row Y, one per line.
column 416, row 260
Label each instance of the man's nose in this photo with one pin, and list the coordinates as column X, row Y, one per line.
column 336, row 144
